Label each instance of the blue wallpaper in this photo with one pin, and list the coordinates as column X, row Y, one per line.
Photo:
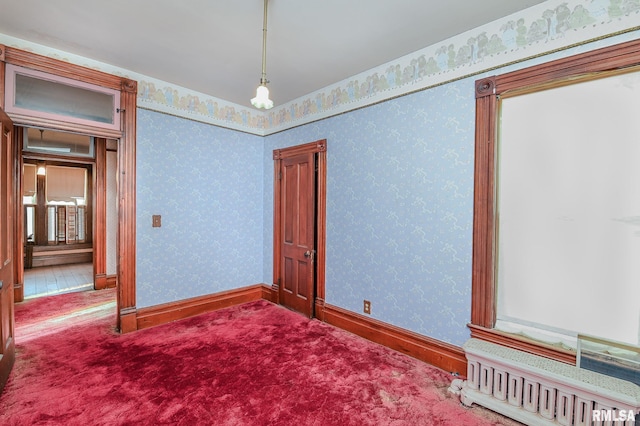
column 399, row 208
column 206, row 182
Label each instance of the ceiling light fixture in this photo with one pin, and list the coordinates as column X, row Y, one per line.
column 262, row 93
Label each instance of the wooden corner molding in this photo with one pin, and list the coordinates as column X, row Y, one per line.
column 130, row 86
column 100, row 282
column 276, row 154
column 2, row 50
column 486, row 87
column 319, row 307
column 127, row 321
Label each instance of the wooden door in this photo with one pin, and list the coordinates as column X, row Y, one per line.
column 7, row 345
column 299, row 229
column 298, row 199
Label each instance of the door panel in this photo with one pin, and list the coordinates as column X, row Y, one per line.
column 7, row 345
column 298, row 232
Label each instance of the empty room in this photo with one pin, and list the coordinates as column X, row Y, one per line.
column 304, row 212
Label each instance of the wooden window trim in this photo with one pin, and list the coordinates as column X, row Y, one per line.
column 589, row 65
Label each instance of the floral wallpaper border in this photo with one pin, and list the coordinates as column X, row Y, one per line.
column 547, row 27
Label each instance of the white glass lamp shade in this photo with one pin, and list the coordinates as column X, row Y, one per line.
column 262, row 98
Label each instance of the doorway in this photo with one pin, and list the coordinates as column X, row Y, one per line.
column 68, row 187
column 299, row 227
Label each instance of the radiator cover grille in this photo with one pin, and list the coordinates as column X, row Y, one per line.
column 540, row 391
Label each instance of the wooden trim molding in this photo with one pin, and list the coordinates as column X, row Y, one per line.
column 482, row 287
column 270, row 293
column 100, row 215
column 99, row 281
column 112, row 281
column 3, row 70
column 126, row 244
column 168, row 312
column 440, row 354
column 485, row 87
column 522, row 344
column 18, row 223
column 619, row 58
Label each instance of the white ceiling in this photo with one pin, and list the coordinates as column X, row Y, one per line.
column 215, row 46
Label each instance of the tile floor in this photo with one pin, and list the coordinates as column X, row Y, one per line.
column 45, row 281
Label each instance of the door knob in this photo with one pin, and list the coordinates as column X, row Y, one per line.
column 307, row 253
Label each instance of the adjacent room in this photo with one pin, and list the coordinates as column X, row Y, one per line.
column 455, row 183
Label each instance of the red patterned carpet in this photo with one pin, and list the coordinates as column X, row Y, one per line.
column 253, row 364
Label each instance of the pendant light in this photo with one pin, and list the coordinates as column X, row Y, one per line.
column 262, row 93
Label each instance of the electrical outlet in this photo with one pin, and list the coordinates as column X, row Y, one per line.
column 156, row 220
column 367, row 307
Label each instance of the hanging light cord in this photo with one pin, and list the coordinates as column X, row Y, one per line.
column 263, row 80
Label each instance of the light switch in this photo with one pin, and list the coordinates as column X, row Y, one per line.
column 157, row 220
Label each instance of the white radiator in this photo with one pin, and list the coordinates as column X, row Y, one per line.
column 539, row 391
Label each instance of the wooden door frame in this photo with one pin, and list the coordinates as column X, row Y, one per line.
column 320, row 148
column 126, row 136
column 7, row 170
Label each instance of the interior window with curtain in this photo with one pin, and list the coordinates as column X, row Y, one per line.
column 66, row 204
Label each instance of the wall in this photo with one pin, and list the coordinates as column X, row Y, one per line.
column 206, row 182
column 399, row 208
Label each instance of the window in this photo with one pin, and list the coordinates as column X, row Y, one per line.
column 55, row 200
column 557, row 203
column 33, row 94
column 45, row 141
column 29, row 200
column 66, row 193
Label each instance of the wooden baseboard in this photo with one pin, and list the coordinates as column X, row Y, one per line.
column 59, row 259
column 103, row 281
column 127, row 320
column 440, row 354
column 167, row 312
column 435, row 352
column 112, row 281
column 100, row 282
column 270, row 293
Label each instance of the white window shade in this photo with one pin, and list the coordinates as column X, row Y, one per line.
column 65, row 184
column 29, row 180
column 569, row 209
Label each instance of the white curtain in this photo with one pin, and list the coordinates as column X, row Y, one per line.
column 569, row 209
column 29, row 180
column 65, row 184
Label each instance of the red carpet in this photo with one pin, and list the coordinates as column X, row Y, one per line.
column 254, row 364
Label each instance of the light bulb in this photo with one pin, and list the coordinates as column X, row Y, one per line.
column 262, row 98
